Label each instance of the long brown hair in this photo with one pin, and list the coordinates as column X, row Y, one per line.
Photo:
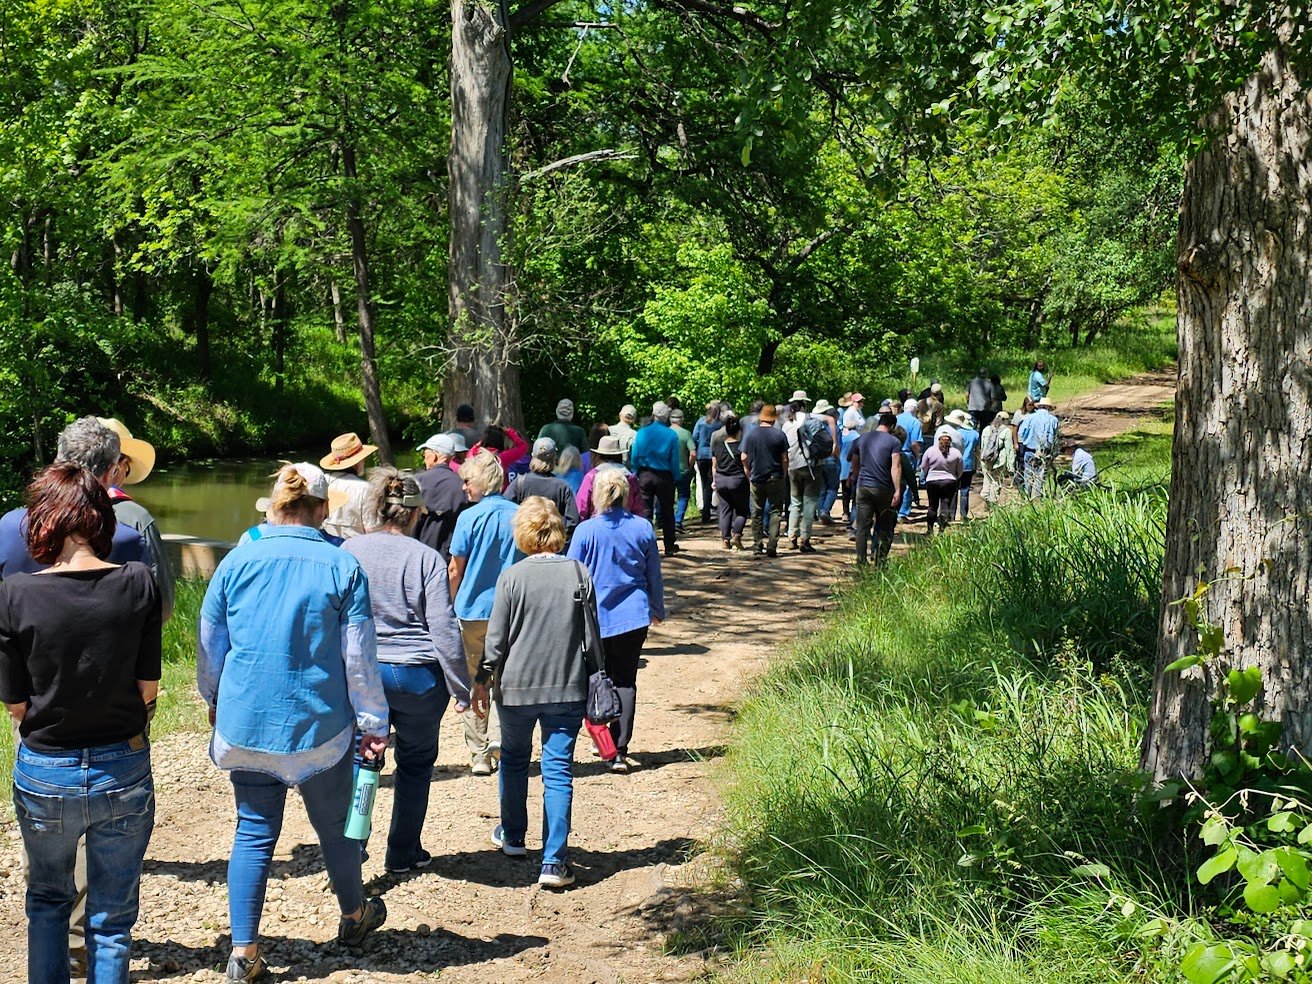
column 66, row 500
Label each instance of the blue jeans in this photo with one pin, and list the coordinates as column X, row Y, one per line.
column 682, row 494
column 828, row 487
column 560, row 729
column 106, row 794
column 260, row 802
column 417, row 697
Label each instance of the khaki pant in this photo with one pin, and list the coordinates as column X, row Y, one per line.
column 77, row 919
column 479, row 732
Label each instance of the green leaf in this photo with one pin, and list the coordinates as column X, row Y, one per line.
column 1203, row 964
column 1215, row 865
column 1280, row 963
column 1093, row 870
column 1183, row 663
column 1214, row 831
column 1244, row 684
column 1259, row 869
column 1305, row 834
column 1211, row 640
column 1281, row 823
column 1294, row 865
column 1153, row 927
column 973, row 831
column 1261, row 898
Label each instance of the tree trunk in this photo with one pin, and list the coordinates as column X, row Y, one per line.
column 200, row 320
column 483, row 369
column 339, row 316
column 1240, row 493
column 373, row 397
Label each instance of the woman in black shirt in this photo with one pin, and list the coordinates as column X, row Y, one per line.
column 79, row 662
column 730, row 482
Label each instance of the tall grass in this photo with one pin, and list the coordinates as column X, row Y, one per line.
column 913, row 794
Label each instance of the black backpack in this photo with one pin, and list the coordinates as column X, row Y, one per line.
column 814, row 439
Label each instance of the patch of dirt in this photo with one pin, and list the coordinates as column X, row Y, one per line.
column 475, row 915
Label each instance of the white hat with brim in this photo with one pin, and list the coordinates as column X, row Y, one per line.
column 821, row 406
column 347, row 452
column 799, row 396
column 608, row 447
column 140, row 455
column 959, row 418
column 1046, row 404
column 316, row 487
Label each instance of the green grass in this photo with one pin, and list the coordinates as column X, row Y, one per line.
column 912, row 792
column 1145, row 342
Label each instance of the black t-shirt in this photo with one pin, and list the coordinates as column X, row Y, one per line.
column 876, row 449
column 726, row 451
column 549, row 487
column 74, row 644
column 445, row 499
column 764, row 447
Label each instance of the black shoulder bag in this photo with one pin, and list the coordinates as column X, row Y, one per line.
column 603, row 699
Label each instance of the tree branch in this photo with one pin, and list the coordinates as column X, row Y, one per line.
column 608, row 154
column 742, row 15
column 528, row 13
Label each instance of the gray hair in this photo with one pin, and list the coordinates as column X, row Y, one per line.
column 387, row 483
column 89, row 443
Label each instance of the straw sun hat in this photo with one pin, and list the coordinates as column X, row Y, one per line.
column 347, row 452
column 140, row 455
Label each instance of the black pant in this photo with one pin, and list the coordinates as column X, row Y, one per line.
column 735, row 504
column 874, row 507
column 658, row 487
column 941, row 496
column 622, row 654
column 704, row 483
column 983, row 418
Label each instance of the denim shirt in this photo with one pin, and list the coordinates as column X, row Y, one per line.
column 288, row 656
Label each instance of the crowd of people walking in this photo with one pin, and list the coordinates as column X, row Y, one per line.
column 505, row 578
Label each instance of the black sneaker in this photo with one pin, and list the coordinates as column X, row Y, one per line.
column 807, row 548
column 422, row 861
column 556, row 876
column 245, row 968
column 772, row 552
column 510, row 849
column 352, row 932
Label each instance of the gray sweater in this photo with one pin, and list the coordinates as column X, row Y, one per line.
column 411, row 601
column 134, row 514
column 535, row 639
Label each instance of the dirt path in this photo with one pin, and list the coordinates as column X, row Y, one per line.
column 476, row 915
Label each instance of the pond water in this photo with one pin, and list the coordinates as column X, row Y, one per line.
column 214, row 498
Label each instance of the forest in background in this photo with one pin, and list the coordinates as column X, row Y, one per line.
column 194, row 188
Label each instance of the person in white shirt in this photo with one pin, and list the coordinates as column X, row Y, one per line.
column 344, row 464
column 1083, row 473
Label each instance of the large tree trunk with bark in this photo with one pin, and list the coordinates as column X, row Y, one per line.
column 1241, row 491
column 482, row 370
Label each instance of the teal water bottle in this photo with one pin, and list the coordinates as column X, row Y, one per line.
column 359, row 820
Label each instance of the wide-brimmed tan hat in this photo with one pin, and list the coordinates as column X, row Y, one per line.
column 959, row 418
column 769, row 414
column 1046, row 404
column 799, row 396
column 140, row 454
column 821, row 405
column 608, row 447
column 347, row 452
column 316, row 483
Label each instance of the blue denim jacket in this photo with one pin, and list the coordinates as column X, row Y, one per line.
column 288, row 656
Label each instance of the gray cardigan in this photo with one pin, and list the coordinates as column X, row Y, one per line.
column 536, row 637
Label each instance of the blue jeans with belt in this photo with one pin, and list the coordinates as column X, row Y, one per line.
column 105, row 793
column 260, row 802
column 560, row 725
column 417, row 697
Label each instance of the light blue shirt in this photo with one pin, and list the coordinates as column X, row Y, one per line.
column 910, row 423
column 969, row 445
column 1038, row 431
column 619, row 550
column 844, row 462
column 485, row 537
column 287, row 656
column 1038, row 385
column 657, row 448
column 1083, row 467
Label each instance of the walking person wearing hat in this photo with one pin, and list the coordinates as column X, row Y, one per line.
column 541, row 480
column 607, row 454
column 563, row 431
column 625, row 431
column 854, row 416
column 687, row 469
column 829, row 469
column 444, row 498
column 803, row 470
column 969, row 448
column 655, row 458
column 135, row 461
column 765, row 457
column 997, row 456
column 1037, row 433
column 344, row 464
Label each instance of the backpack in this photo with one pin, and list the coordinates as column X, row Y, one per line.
column 814, row 439
column 988, row 447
